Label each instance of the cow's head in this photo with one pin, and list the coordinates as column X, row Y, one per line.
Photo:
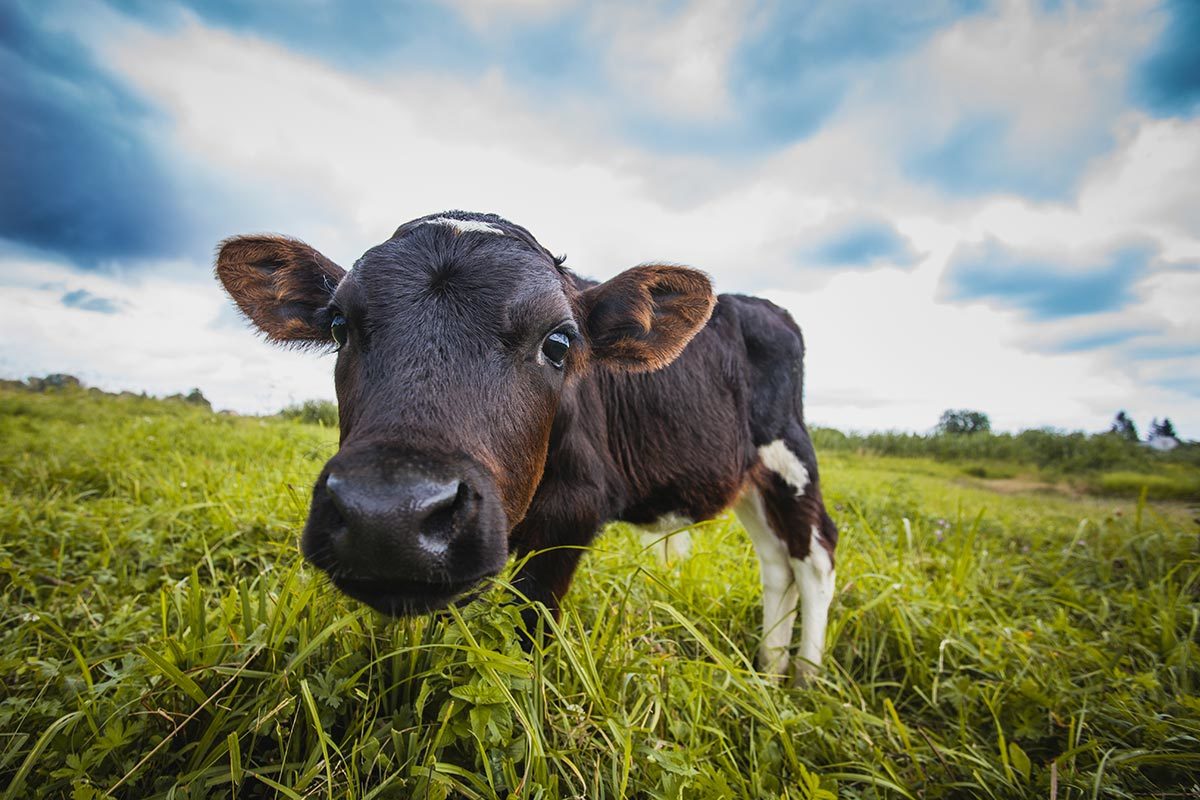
column 455, row 340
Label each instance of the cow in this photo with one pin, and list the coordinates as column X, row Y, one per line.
column 492, row 403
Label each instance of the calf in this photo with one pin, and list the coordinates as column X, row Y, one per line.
column 492, row 403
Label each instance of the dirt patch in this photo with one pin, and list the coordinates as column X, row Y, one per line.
column 1026, row 485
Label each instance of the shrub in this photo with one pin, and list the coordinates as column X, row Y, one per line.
column 314, row 412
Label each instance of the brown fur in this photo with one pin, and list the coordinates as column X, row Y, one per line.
column 272, row 280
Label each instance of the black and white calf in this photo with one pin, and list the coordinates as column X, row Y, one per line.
column 494, row 403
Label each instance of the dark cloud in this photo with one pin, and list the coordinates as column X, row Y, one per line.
column 77, row 174
column 1168, row 81
column 1042, row 288
column 86, row 301
column 861, row 243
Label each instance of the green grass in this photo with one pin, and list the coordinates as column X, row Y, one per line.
column 160, row 637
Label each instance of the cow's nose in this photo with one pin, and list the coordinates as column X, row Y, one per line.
column 397, row 524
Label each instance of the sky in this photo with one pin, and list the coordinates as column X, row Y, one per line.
column 964, row 204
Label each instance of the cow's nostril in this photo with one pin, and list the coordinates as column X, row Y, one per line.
column 336, row 487
column 445, row 514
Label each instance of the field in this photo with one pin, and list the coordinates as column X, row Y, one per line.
column 998, row 631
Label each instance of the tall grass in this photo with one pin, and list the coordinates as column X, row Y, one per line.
column 160, row 637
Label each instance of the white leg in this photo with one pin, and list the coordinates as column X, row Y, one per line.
column 780, row 592
column 815, row 577
column 668, row 545
column 678, row 546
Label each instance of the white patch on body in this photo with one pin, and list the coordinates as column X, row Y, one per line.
column 815, row 577
column 465, row 225
column 780, row 593
column 668, row 536
column 783, row 462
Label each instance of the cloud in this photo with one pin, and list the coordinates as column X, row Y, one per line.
column 860, row 243
column 672, row 63
column 80, row 174
column 1099, row 339
column 693, row 76
column 1044, row 288
column 1022, row 101
column 1168, row 80
column 374, row 33
column 86, row 301
column 793, row 70
column 162, row 341
column 971, row 159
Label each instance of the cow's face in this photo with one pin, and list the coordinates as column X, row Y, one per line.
column 455, row 340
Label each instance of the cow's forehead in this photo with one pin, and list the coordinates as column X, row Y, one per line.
column 488, row 262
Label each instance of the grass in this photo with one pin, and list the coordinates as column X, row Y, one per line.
column 160, row 637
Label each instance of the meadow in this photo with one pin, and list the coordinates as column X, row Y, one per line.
column 1002, row 628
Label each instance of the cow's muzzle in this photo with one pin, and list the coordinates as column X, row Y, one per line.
column 404, row 532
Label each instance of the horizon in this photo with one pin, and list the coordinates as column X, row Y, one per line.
column 991, row 206
column 30, row 384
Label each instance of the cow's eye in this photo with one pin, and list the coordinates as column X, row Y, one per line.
column 555, row 348
column 339, row 330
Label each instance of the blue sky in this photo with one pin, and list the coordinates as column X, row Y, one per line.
column 964, row 203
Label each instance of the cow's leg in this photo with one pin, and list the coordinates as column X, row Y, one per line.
column 545, row 574
column 668, row 536
column 792, row 504
column 815, row 576
column 780, row 593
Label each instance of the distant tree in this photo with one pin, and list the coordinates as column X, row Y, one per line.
column 1165, row 429
column 963, row 420
column 1123, row 426
column 196, row 397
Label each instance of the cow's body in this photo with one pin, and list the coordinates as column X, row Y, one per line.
column 492, row 403
column 720, row 427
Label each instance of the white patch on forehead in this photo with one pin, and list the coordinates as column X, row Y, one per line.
column 465, row 225
column 783, row 462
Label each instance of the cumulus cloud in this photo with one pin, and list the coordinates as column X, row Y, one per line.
column 859, row 243
column 1024, row 100
column 1046, row 287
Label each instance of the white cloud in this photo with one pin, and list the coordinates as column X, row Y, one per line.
column 674, row 62
column 169, row 336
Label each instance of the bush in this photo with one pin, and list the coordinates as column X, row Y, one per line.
column 1056, row 452
column 1157, row 487
column 314, row 412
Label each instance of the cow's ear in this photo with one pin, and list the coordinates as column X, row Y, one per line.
column 282, row 285
column 643, row 318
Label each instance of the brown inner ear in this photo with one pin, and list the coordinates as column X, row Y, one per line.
column 642, row 319
column 282, row 285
